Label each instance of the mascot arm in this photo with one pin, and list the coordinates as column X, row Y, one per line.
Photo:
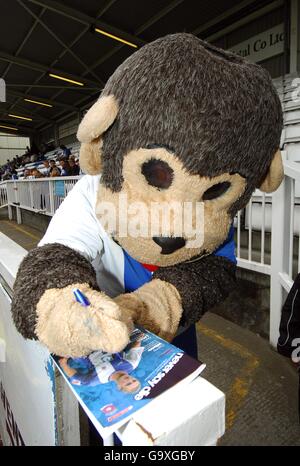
column 180, row 294
column 201, row 284
column 43, row 305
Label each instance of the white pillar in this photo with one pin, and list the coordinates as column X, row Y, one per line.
column 19, row 215
column 294, row 35
column 10, row 213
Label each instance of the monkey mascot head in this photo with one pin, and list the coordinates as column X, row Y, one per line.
column 181, row 123
column 182, row 134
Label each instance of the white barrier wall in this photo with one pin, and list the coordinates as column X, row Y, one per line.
column 27, row 383
column 38, row 409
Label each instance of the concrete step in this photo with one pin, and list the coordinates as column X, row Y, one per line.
column 261, row 386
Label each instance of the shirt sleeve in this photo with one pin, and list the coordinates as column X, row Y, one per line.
column 75, row 223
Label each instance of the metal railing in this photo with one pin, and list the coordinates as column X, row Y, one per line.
column 43, row 195
column 3, row 194
column 275, row 229
column 268, row 244
column 285, row 250
column 251, row 242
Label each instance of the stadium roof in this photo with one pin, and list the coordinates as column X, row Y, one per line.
column 84, row 42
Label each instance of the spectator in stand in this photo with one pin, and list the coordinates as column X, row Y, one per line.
column 52, row 166
column 36, row 173
column 27, row 173
column 65, row 168
column 66, row 151
column 55, row 172
column 41, row 156
column 14, row 174
column 6, row 176
column 74, row 169
column 47, row 168
column 44, row 148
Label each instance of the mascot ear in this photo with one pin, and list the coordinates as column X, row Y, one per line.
column 95, row 122
column 274, row 176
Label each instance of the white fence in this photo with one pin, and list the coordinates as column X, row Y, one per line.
column 267, row 232
column 3, row 195
column 43, row 196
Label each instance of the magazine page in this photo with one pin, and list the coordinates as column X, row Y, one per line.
column 111, row 387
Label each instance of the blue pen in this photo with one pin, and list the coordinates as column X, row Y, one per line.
column 80, row 297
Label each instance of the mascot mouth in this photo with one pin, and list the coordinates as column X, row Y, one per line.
column 168, row 244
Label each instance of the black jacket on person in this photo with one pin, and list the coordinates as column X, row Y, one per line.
column 74, row 171
column 289, row 330
column 290, row 322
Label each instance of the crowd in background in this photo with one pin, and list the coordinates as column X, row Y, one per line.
column 65, row 164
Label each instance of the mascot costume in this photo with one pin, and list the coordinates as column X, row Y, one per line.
column 180, row 122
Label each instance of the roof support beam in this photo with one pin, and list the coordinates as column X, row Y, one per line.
column 235, row 25
column 103, row 9
column 55, row 36
column 24, row 41
column 62, row 88
column 49, row 86
column 43, row 68
column 227, row 13
column 46, row 101
column 61, row 116
column 76, row 15
column 154, row 19
column 24, row 112
column 294, row 33
column 24, row 129
column 142, row 28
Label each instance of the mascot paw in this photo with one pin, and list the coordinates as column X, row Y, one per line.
column 69, row 329
column 155, row 306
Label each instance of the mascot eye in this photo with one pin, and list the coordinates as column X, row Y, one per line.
column 158, row 173
column 216, row 191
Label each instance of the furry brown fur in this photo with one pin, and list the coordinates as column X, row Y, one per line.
column 90, row 160
column 185, row 187
column 98, row 119
column 218, row 112
column 275, row 175
column 201, row 284
column 156, row 306
column 50, row 266
column 70, row 330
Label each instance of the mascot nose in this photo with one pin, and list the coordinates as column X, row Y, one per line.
column 169, row 245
